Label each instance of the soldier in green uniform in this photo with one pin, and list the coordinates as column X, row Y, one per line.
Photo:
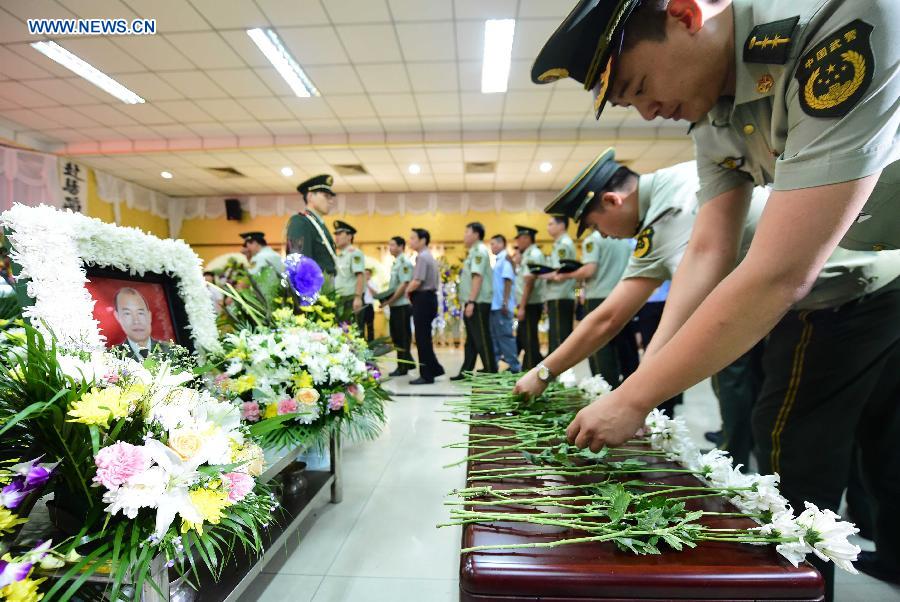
column 401, row 312
column 801, row 96
column 350, row 280
column 475, row 293
column 560, row 295
column 603, row 263
column 261, row 254
column 531, row 302
column 306, row 233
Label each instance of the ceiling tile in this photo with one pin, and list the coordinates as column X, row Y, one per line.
column 433, row 77
column 274, row 81
column 231, row 14
column 240, row 83
column 265, row 108
column 401, row 124
column 324, row 126
column 470, row 40
column 102, row 54
column 206, row 50
column 389, row 77
column 358, row 11
column 66, row 116
column 244, row 47
column 66, row 135
column 362, row 125
column 283, row 13
column 24, row 95
column 17, row 67
column 427, row 41
column 569, row 102
column 148, row 86
column 438, row 104
column 62, row 91
column 154, row 52
column 531, row 34
column 194, row 84
column 485, row 9
column 394, row 105
column 224, row 109
column 532, row 102
column 284, row 127
column 520, row 77
column 370, row 43
column 308, row 108
column 470, row 76
column 145, row 114
column 31, row 119
column 12, row 29
column 182, row 110
column 170, row 15
column 445, row 155
column 421, row 10
column 476, row 103
column 99, row 9
column 356, row 105
column 314, row 45
column 335, row 79
column 135, row 132
column 441, row 124
column 36, row 9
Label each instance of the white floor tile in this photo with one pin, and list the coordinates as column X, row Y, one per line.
column 353, row 589
column 279, row 588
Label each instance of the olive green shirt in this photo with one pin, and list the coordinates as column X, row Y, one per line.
column 401, row 271
column 826, row 112
column 563, row 248
column 532, row 256
column 303, row 237
column 350, row 262
column 611, row 257
column 478, row 261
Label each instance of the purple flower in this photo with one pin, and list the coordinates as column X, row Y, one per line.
column 13, row 494
column 304, row 276
column 11, row 572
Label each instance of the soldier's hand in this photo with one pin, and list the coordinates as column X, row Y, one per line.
column 357, row 304
column 470, row 309
column 607, row 421
column 520, row 314
column 530, row 385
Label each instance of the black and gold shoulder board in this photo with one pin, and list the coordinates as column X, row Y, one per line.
column 770, row 43
column 836, row 72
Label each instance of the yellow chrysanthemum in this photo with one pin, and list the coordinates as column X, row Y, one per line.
column 237, row 352
column 283, row 314
column 303, row 380
column 300, row 320
column 271, row 411
column 25, row 590
column 8, row 520
column 242, row 384
column 99, row 406
column 210, row 503
column 326, row 302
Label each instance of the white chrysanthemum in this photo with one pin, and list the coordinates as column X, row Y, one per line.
column 595, row 386
column 828, row 536
column 140, row 491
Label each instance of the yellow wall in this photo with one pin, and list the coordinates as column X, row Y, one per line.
column 211, row 238
column 158, row 226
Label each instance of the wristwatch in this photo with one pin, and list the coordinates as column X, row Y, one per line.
column 543, row 373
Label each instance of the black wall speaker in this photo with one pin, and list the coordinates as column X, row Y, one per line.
column 233, row 209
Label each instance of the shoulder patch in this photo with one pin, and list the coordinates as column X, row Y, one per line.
column 478, row 259
column 770, row 43
column 731, row 163
column 406, row 269
column 589, row 246
column 836, row 72
column 561, row 252
column 644, row 243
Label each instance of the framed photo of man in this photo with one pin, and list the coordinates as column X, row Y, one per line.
column 137, row 315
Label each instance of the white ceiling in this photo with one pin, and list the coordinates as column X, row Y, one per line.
column 400, row 83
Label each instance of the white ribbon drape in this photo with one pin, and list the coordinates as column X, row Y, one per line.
column 28, row 178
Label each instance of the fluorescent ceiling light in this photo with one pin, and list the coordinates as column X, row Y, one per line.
column 546, row 166
column 166, row 175
column 270, row 45
column 415, row 169
column 55, row 52
column 498, row 40
column 287, row 172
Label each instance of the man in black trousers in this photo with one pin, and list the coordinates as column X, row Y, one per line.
column 423, row 294
column 401, row 276
column 476, row 292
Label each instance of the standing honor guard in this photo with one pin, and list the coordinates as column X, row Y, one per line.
column 603, row 263
column 560, row 295
column 531, row 303
column 476, row 293
column 423, row 294
column 401, row 309
column 350, row 281
column 306, row 232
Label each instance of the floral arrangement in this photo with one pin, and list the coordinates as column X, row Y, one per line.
column 53, row 246
column 601, row 497
column 300, row 380
column 449, row 309
column 149, row 464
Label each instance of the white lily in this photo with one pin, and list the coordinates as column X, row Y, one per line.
column 175, row 499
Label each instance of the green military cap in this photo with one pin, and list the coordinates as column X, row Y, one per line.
column 584, row 47
column 322, row 182
column 340, row 226
column 576, row 196
column 259, row 237
column 526, row 231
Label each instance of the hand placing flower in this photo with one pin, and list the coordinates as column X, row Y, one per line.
column 607, row 421
column 530, row 384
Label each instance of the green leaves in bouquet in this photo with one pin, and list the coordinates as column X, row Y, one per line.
column 252, row 306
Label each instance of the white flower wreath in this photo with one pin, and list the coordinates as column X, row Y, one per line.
column 53, row 246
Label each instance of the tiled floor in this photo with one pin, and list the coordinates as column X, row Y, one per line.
column 381, row 545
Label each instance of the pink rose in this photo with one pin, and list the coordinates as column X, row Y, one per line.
column 221, row 378
column 336, row 401
column 250, row 411
column 238, row 484
column 119, row 462
column 112, row 378
column 356, row 391
column 287, row 406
